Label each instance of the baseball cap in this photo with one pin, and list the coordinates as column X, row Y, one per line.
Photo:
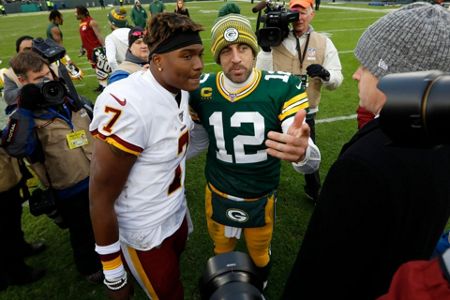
column 135, row 34
column 302, row 3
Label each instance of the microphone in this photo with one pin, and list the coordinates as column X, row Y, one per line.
column 259, row 6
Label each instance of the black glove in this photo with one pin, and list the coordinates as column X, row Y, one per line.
column 317, row 70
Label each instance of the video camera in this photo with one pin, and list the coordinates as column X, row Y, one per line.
column 53, row 92
column 48, row 49
column 48, row 92
column 276, row 22
column 45, row 94
column 417, row 109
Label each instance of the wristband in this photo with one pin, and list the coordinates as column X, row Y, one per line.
column 115, row 285
column 110, row 257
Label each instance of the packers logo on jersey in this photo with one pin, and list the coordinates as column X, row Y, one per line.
column 206, row 93
column 237, row 215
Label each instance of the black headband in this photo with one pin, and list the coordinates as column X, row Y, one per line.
column 177, row 40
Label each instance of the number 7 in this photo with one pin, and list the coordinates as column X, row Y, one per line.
column 183, row 140
column 116, row 114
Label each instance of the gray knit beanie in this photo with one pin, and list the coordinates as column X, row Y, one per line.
column 413, row 38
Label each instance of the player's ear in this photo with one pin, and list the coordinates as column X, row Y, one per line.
column 156, row 59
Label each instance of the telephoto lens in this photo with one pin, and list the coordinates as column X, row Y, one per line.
column 231, row 276
column 417, row 108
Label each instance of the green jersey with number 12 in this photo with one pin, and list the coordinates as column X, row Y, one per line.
column 237, row 126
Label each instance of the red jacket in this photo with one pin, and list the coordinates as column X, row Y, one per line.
column 419, row 280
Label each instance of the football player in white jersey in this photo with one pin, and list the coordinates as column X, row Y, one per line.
column 142, row 126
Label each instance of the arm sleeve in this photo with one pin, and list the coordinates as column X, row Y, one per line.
column 333, row 65
column 121, row 126
column 264, row 61
column 10, row 91
column 199, row 141
column 295, row 100
column 110, row 49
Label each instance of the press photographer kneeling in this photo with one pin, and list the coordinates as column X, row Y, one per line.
column 50, row 129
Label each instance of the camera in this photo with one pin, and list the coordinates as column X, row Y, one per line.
column 53, row 92
column 231, row 276
column 43, row 202
column 417, row 109
column 44, row 94
column 276, row 22
column 48, row 49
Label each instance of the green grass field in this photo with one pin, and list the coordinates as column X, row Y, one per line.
column 343, row 25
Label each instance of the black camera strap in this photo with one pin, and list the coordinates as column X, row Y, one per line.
column 301, row 57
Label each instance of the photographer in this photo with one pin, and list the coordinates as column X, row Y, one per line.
column 383, row 203
column 12, row 85
column 306, row 52
column 13, row 269
column 51, row 131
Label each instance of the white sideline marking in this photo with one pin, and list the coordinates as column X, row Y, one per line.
column 335, row 119
column 359, row 8
column 344, row 30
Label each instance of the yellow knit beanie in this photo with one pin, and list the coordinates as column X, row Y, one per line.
column 232, row 29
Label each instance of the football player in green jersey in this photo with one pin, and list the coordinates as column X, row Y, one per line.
column 253, row 119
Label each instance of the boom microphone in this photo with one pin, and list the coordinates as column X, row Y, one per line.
column 259, row 6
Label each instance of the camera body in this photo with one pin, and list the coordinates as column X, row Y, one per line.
column 417, row 109
column 48, row 49
column 276, row 22
column 43, row 202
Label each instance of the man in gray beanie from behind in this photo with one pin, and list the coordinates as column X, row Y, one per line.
column 381, row 204
column 413, row 38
